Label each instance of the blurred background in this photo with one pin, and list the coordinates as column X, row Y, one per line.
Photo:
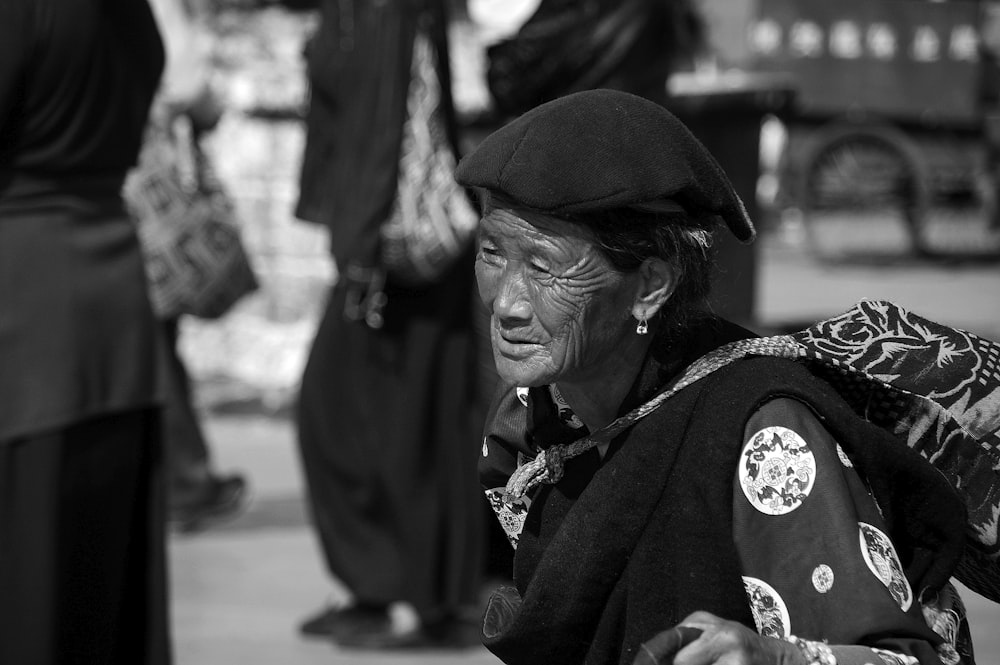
column 862, row 135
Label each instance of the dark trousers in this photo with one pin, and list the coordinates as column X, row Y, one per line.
column 82, row 553
column 389, row 434
column 185, row 450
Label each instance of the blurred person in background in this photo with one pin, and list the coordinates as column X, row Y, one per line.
column 196, row 492
column 82, row 557
column 566, row 46
column 388, row 414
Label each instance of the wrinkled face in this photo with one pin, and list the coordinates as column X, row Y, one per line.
column 559, row 309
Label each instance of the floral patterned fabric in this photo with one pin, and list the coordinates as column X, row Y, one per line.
column 816, row 560
column 936, row 387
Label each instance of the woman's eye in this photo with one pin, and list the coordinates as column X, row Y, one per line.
column 489, row 253
column 539, row 268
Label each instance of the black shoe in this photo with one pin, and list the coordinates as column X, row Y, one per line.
column 220, row 496
column 334, row 623
column 320, row 624
column 439, row 635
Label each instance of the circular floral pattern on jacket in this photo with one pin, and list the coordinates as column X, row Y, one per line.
column 777, row 470
column 822, row 578
column 880, row 555
column 769, row 611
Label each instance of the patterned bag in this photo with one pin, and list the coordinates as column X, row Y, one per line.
column 936, row 388
column 432, row 221
column 195, row 260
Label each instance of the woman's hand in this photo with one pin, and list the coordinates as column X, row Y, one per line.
column 729, row 643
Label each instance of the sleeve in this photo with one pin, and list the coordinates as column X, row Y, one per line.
column 15, row 46
column 185, row 85
column 818, row 567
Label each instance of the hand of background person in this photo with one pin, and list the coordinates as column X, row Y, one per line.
column 205, row 110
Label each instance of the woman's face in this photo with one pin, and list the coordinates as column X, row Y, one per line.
column 559, row 309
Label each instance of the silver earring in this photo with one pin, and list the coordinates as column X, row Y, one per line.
column 643, row 326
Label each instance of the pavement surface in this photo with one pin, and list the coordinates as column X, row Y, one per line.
column 239, row 589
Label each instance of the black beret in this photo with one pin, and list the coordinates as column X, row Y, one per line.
column 599, row 150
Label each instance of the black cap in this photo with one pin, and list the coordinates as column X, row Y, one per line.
column 600, row 150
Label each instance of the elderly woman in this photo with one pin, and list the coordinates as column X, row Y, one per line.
column 749, row 503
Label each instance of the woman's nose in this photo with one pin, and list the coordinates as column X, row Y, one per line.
column 511, row 303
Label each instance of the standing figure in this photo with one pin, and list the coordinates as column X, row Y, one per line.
column 196, row 491
column 82, row 570
column 387, row 422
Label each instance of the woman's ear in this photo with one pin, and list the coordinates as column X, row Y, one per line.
column 655, row 286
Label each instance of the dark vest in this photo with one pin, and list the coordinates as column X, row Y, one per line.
column 605, row 565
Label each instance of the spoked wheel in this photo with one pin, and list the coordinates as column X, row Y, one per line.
column 863, row 195
column 963, row 224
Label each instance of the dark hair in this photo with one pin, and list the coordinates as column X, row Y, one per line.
column 627, row 237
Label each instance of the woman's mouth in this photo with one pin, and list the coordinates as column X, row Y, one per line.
column 511, row 346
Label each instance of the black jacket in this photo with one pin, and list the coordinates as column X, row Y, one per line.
column 358, row 64
column 614, row 554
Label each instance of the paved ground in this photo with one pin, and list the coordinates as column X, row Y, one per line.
column 792, row 288
column 239, row 590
